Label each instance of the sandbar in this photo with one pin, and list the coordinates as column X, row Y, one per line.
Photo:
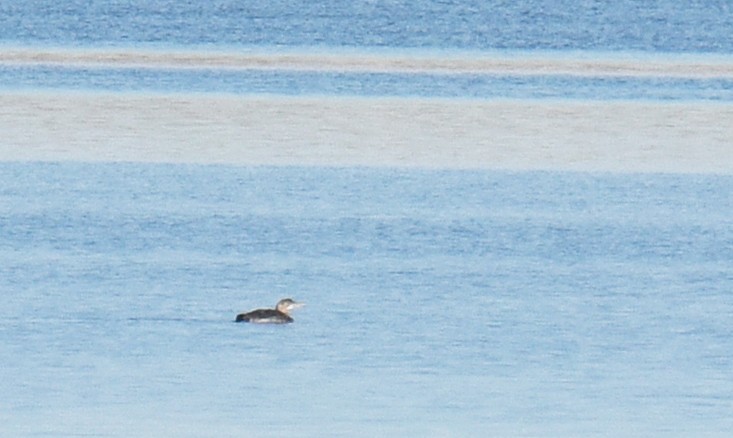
column 613, row 136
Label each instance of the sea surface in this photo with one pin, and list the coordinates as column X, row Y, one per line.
column 438, row 302
column 441, row 303
column 661, row 25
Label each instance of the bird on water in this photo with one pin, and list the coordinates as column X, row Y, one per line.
column 279, row 315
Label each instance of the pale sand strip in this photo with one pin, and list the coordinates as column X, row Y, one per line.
column 562, row 135
column 498, row 64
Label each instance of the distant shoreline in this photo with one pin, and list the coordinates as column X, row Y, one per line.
column 615, row 136
column 518, row 63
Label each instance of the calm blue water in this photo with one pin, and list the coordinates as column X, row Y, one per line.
column 438, row 28
column 471, row 86
column 661, row 25
column 439, row 303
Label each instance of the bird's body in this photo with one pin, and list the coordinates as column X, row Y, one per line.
column 279, row 315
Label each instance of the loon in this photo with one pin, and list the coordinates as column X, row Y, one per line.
column 279, row 315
